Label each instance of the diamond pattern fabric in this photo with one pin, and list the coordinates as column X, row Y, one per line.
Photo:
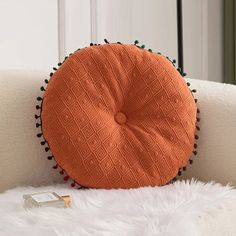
column 118, row 116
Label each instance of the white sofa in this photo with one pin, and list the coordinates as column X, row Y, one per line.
column 24, row 162
column 182, row 208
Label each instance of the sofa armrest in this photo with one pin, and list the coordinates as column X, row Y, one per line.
column 216, row 159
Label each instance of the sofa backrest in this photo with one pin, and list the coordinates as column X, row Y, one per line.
column 23, row 160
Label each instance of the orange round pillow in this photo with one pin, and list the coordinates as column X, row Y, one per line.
column 118, row 116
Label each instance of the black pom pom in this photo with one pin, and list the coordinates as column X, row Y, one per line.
column 36, row 116
column 91, row 44
column 50, row 157
column 136, row 42
column 37, row 107
column 195, row 100
column 188, row 84
column 174, row 61
column 42, row 88
column 39, row 99
column 39, row 135
column 55, row 167
column 62, row 172
column 37, row 125
column 198, row 128
column 184, row 168
column 180, row 70
column 195, row 152
column 198, row 119
column 119, row 42
column 150, row 50
column 143, row 46
column 190, row 161
column 47, row 149
column 51, row 74
column 196, row 136
column 43, row 142
column 46, row 81
column 59, row 64
column 54, row 68
column 106, row 41
column 184, row 74
column 193, row 90
column 195, row 145
column 179, row 173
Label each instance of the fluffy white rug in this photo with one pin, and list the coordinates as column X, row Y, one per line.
column 182, row 208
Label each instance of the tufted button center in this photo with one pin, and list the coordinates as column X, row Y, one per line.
column 120, row 118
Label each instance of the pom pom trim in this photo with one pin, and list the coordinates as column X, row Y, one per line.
column 44, row 142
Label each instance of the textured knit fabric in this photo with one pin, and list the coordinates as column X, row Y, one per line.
column 117, row 116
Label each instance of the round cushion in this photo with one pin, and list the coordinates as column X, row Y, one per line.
column 118, row 116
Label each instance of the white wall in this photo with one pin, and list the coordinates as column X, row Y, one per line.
column 31, row 32
column 152, row 22
column 215, row 40
column 28, row 34
column 193, row 38
column 36, row 34
column 203, row 39
column 77, row 25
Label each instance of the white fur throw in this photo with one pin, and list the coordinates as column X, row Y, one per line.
column 183, row 208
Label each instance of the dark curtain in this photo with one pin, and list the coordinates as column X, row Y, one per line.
column 229, row 41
